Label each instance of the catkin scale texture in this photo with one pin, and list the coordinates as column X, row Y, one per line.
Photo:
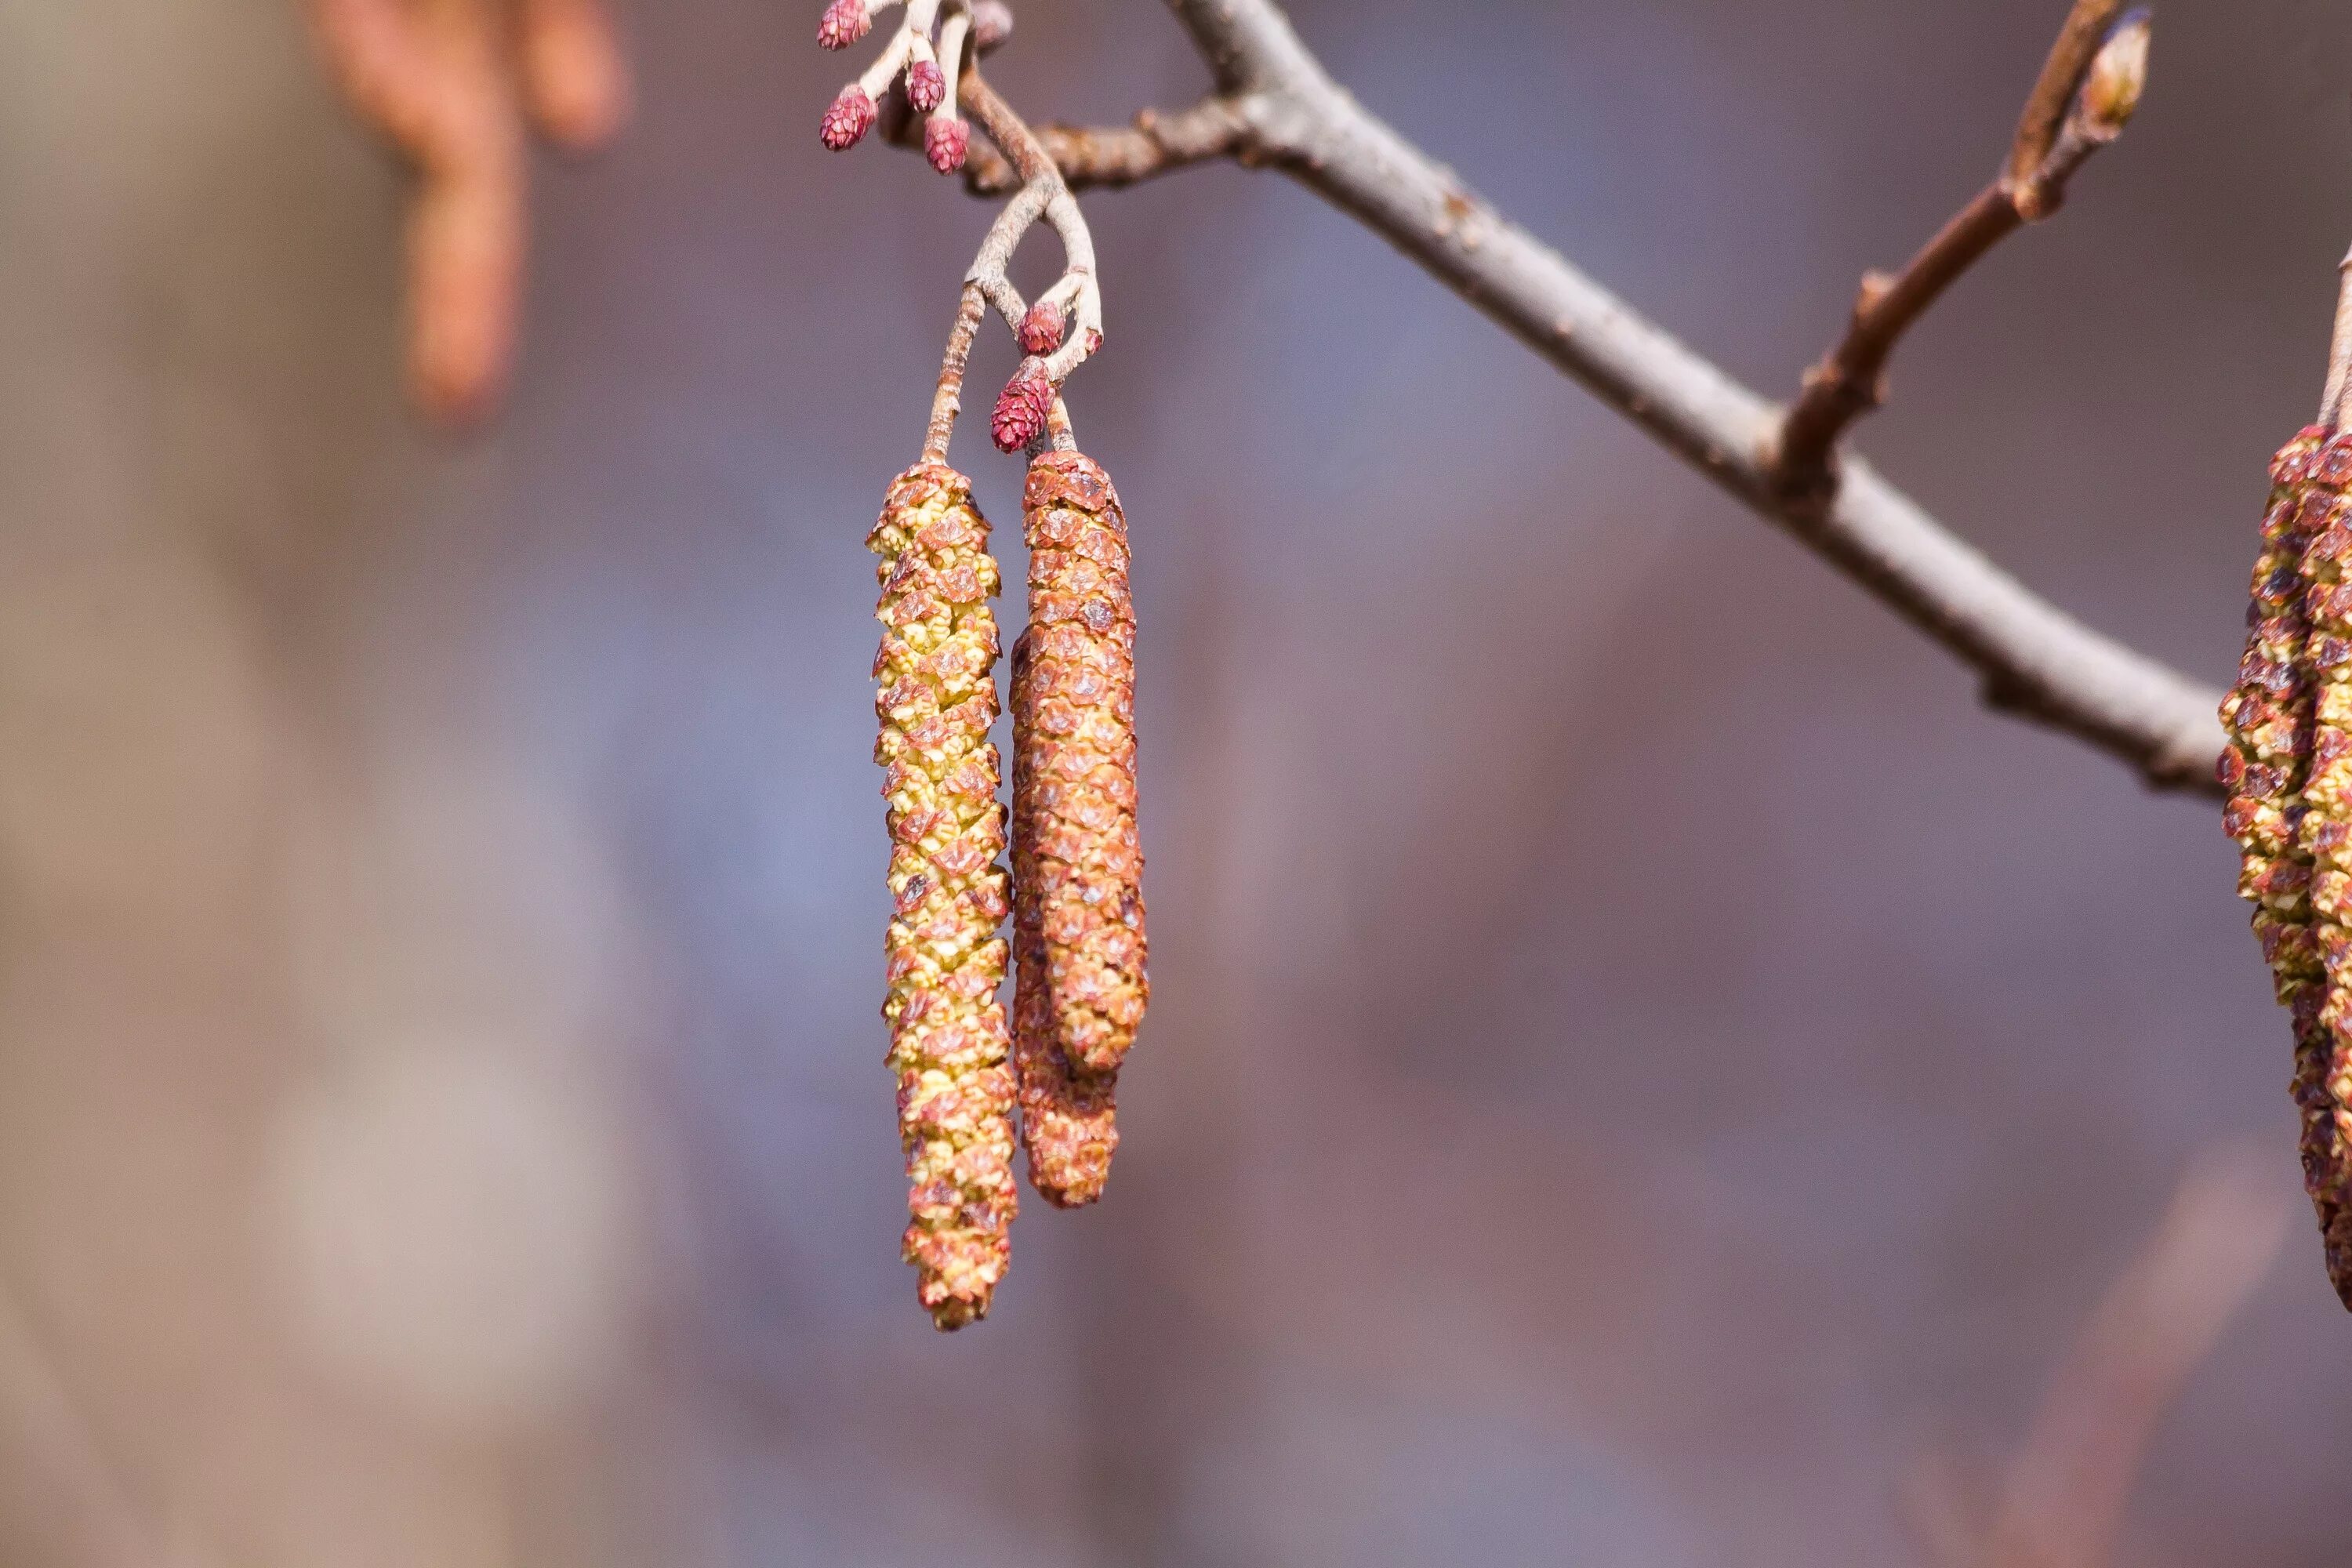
column 948, row 1041
column 2288, row 772
column 1079, row 919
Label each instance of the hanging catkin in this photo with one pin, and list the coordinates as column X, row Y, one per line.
column 2288, row 772
column 1077, row 866
column 936, row 671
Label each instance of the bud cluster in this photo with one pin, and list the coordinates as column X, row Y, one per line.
column 924, row 69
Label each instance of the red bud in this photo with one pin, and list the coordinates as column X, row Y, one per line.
column 846, row 119
column 1042, row 328
column 1021, row 408
column 926, row 85
column 844, row 23
column 945, row 143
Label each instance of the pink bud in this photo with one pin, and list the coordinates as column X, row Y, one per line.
column 945, row 143
column 926, row 85
column 1021, row 408
column 1042, row 328
column 991, row 25
column 848, row 117
column 844, row 23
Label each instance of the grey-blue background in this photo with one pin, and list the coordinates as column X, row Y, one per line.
column 1640, row 1065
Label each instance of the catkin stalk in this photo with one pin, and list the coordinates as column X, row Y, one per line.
column 949, row 1042
column 1080, row 987
column 2288, row 769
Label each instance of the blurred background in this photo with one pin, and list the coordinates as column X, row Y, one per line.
column 1643, row 1070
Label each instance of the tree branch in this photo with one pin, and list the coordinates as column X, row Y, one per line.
column 2034, row 661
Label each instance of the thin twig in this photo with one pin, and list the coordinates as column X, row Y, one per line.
column 1108, row 157
column 2034, row 661
column 947, row 400
column 1849, row 379
column 1035, row 168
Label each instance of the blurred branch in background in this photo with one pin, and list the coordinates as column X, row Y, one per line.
column 449, row 83
column 54, row 1461
column 2062, row 1503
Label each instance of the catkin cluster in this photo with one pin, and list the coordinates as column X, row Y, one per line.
column 937, row 698
column 1078, row 867
column 1076, row 898
column 2288, row 772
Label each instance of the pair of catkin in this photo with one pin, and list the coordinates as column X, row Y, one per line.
column 1076, row 896
column 2287, row 769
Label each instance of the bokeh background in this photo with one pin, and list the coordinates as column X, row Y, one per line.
column 1643, row 1070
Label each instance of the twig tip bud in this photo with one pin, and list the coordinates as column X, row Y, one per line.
column 2117, row 76
column 846, row 119
column 844, row 23
column 945, row 144
column 1042, row 328
column 926, row 85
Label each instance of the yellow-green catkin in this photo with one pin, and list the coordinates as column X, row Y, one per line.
column 2288, row 773
column 949, row 1040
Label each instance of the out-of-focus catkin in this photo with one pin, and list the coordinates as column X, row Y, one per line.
column 1081, row 988
column 2288, row 772
column 948, row 1044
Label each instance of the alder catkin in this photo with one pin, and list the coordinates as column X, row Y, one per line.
column 1069, row 1120
column 949, row 1042
column 1080, row 988
column 2287, row 769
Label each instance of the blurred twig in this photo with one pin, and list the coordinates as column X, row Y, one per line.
column 450, row 83
column 2061, row 1504
column 56, row 1456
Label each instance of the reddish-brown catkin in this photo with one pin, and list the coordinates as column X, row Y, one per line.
column 948, row 1044
column 2287, row 767
column 1078, row 901
column 1069, row 1119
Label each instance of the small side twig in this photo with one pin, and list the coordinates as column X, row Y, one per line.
column 1109, row 156
column 2099, row 72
